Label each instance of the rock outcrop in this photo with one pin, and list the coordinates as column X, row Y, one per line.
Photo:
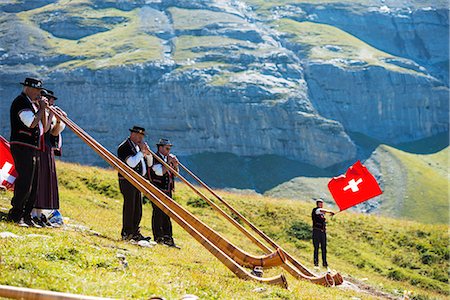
column 233, row 76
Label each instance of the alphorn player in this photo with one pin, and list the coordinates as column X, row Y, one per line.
column 163, row 179
column 28, row 120
column 135, row 153
column 48, row 193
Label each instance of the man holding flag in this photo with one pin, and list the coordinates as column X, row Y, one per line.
column 320, row 232
column 356, row 186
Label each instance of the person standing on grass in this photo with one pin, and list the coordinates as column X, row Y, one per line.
column 319, row 234
column 135, row 153
column 28, row 120
column 164, row 180
column 48, row 195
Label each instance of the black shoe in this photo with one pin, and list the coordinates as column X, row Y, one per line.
column 38, row 221
column 22, row 223
column 257, row 271
column 11, row 218
column 31, row 223
column 139, row 237
column 127, row 237
column 45, row 221
column 168, row 241
column 159, row 240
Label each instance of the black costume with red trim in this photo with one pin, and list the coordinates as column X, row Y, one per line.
column 25, row 145
column 161, row 224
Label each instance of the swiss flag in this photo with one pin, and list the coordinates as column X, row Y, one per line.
column 8, row 173
column 356, row 186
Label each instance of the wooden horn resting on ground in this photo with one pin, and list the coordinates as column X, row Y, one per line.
column 13, row 292
column 275, row 258
column 326, row 279
column 272, row 259
column 299, row 270
column 166, row 205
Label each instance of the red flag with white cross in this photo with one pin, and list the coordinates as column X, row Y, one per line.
column 8, row 173
column 356, row 186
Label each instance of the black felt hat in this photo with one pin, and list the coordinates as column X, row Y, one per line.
column 164, row 142
column 138, row 129
column 48, row 94
column 33, row 82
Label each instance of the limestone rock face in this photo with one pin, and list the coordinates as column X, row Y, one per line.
column 365, row 101
column 232, row 76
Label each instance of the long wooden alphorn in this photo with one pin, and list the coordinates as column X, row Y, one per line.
column 275, row 258
column 304, row 272
column 325, row 280
column 130, row 175
column 14, row 292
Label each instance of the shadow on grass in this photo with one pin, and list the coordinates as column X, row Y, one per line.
column 3, row 216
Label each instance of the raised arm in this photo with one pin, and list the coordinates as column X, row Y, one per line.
column 323, row 210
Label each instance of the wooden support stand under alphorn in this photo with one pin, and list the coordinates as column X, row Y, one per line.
column 221, row 249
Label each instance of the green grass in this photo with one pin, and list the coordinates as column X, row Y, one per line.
column 186, row 43
column 427, row 185
column 316, row 38
column 121, row 44
column 190, row 19
column 394, row 255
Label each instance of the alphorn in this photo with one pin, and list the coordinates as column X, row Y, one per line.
column 326, row 279
column 304, row 273
column 14, row 292
column 148, row 189
column 275, row 258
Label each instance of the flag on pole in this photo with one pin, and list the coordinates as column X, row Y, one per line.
column 8, row 173
column 356, row 186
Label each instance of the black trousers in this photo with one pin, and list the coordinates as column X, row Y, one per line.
column 26, row 162
column 320, row 238
column 132, row 207
column 161, row 224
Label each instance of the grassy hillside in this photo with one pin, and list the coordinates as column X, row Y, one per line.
column 94, row 35
column 82, row 258
column 411, row 183
column 329, row 43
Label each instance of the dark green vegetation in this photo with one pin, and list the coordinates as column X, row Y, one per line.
column 393, row 255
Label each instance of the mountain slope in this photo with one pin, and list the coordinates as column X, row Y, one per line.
column 248, row 78
column 415, row 186
column 394, row 255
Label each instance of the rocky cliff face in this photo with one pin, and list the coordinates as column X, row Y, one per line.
column 242, row 77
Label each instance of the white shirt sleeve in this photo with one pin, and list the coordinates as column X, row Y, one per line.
column 319, row 211
column 149, row 159
column 132, row 161
column 62, row 126
column 27, row 117
column 158, row 168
